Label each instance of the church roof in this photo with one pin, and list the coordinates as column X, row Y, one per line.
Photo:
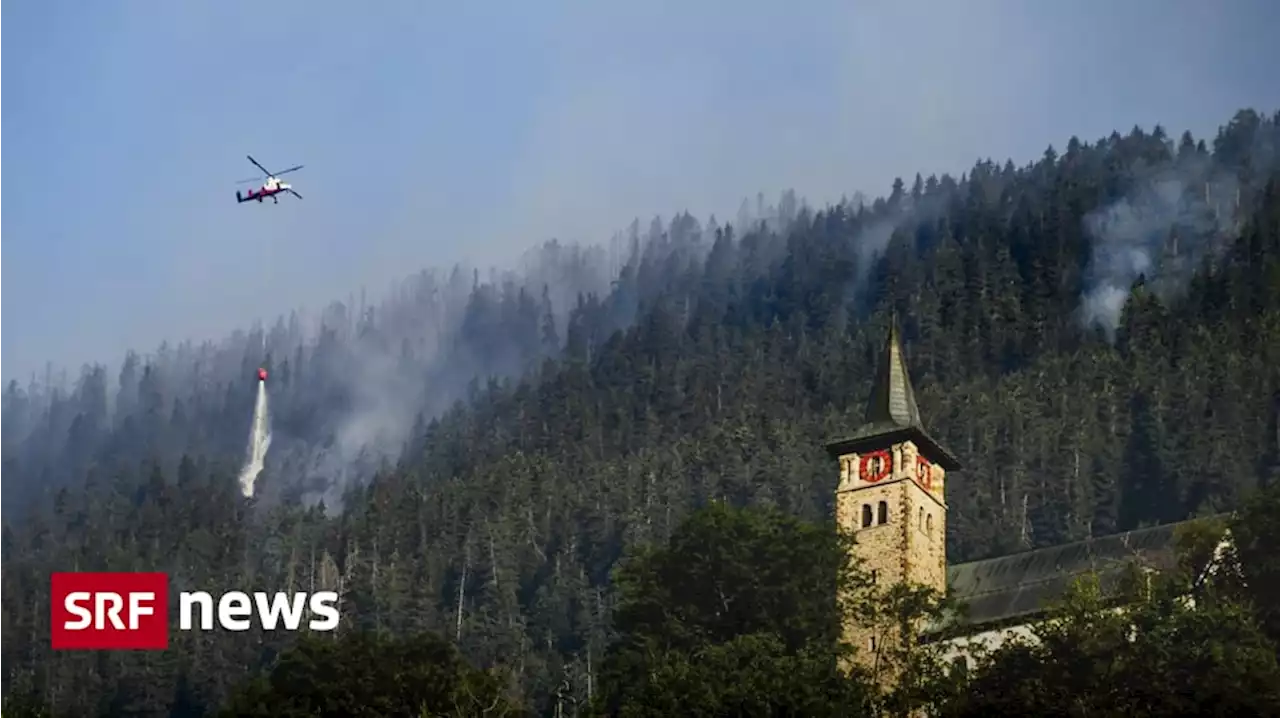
column 892, row 414
column 893, row 402
column 1019, row 585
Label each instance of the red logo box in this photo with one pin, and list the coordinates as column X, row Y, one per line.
column 110, row 611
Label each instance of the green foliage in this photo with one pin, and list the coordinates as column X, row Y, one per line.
column 364, row 674
column 1256, row 534
column 1156, row 656
column 748, row 675
column 20, row 705
column 1199, row 545
column 910, row 670
column 735, row 615
column 727, row 572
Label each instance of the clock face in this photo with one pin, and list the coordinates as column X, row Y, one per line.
column 924, row 473
column 875, row 466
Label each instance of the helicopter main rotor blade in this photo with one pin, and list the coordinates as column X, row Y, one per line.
column 291, row 169
column 251, row 179
column 295, row 193
column 265, row 171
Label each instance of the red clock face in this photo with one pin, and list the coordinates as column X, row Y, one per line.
column 924, row 473
column 875, row 466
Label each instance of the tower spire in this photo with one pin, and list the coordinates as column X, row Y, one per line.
column 891, row 412
column 892, row 404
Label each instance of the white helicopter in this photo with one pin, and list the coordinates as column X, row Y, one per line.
column 270, row 188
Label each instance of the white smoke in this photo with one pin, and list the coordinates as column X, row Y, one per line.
column 259, row 442
column 1160, row 230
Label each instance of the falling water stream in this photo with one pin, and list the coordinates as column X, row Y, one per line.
column 259, row 440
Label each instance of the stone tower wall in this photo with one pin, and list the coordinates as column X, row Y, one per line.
column 905, row 540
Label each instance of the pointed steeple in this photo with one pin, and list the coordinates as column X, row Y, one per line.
column 892, row 404
column 892, row 414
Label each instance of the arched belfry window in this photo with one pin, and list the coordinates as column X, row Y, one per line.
column 883, row 511
column 866, row 515
column 921, row 520
column 928, row 523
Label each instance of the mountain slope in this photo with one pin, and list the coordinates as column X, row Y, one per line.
column 1095, row 335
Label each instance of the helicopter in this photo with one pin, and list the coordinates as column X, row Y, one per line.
column 270, row 188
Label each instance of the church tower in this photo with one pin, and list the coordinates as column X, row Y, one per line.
column 891, row 494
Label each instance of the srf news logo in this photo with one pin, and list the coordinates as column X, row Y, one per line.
column 114, row 611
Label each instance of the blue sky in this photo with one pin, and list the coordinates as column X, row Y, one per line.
column 433, row 133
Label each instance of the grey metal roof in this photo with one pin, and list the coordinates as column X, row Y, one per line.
column 1021, row 584
column 893, row 402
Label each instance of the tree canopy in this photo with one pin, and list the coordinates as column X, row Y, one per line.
column 738, row 614
column 362, row 674
column 1155, row 655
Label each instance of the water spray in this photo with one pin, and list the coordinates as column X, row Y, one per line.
column 259, row 438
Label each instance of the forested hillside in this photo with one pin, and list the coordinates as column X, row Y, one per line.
column 1095, row 335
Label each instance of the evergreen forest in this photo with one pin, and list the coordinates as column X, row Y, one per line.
column 487, row 460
